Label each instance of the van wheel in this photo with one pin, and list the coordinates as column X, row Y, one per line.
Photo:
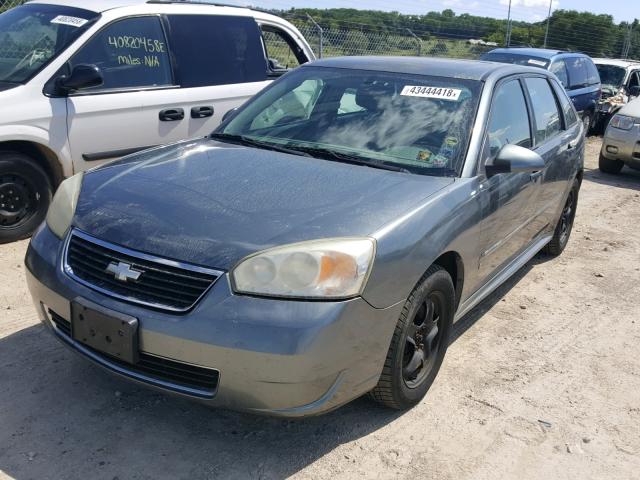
column 419, row 342
column 587, row 121
column 25, row 195
column 609, row 166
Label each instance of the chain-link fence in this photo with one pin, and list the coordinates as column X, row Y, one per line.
column 7, row 4
column 333, row 41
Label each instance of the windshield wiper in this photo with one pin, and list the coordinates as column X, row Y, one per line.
column 252, row 142
column 342, row 157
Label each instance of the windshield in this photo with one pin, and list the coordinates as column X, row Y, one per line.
column 33, row 35
column 416, row 123
column 611, row 75
column 516, row 59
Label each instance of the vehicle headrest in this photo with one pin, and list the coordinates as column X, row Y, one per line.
column 369, row 95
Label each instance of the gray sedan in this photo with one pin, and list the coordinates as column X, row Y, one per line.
column 621, row 143
column 320, row 244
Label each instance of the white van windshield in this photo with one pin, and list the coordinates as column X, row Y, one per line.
column 33, row 35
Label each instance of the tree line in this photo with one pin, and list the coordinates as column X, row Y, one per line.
column 594, row 34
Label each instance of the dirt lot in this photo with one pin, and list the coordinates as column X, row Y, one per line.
column 541, row 381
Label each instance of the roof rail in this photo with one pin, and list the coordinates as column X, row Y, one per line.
column 212, row 3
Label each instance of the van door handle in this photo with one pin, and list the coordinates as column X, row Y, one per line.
column 202, row 112
column 171, row 114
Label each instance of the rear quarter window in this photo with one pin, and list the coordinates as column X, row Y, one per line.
column 216, row 50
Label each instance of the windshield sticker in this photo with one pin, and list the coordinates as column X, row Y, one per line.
column 423, row 155
column 451, row 141
column 71, row 21
column 539, row 63
column 441, row 93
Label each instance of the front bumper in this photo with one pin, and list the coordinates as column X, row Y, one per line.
column 622, row 145
column 280, row 357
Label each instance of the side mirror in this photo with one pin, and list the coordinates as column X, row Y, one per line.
column 229, row 114
column 82, row 76
column 514, row 159
column 634, row 91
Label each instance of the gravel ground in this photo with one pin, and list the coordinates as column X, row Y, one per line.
column 541, row 381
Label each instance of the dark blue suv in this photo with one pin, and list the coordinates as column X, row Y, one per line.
column 576, row 71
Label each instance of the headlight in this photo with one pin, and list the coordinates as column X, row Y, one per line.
column 332, row 268
column 63, row 205
column 623, row 122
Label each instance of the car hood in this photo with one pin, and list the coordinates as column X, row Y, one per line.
column 212, row 203
column 631, row 109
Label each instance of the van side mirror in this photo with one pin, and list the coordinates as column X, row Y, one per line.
column 514, row 159
column 82, row 76
column 228, row 114
column 634, row 91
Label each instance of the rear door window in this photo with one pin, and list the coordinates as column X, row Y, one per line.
column 509, row 124
column 545, row 109
column 217, row 50
column 578, row 74
column 559, row 68
column 130, row 53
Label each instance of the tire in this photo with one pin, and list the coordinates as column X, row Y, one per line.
column 587, row 121
column 25, row 195
column 564, row 226
column 609, row 166
column 401, row 386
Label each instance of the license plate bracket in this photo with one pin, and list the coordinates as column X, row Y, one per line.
column 105, row 330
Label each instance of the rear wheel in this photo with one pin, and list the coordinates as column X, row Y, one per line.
column 587, row 121
column 565, row 223
column 609, row 166
column 419, row 342
column 25, row 195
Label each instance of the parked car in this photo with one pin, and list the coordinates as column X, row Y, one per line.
column 576, row 71
column 88, row 81
column 620, row 83
column 621, row 143
column 307, row 253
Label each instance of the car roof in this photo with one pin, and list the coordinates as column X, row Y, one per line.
column 104, row 5
column 438, row 67
column 617, row 62
column 536, row 52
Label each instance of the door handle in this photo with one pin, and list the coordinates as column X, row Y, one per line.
column 171, row 114
column 202, row 112
column 535, row 176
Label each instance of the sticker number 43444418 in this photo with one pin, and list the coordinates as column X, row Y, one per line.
column 441, row 93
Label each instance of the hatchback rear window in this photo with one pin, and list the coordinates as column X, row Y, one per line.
column 217, row 50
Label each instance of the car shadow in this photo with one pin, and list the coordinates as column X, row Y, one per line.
column 63, row 417
column 627, row 178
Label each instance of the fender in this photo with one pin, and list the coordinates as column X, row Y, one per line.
column 41, row 138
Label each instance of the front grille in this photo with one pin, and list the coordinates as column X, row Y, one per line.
column 150, row 367
column 163, row 283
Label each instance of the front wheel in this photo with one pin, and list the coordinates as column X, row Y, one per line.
column 609, row 166
column 564, row 226
column 419, row 342
column 25, row 195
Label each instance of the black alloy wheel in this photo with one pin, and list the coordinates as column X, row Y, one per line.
column 25, row 195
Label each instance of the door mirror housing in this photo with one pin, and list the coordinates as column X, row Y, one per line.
column 228, row 114
column 514, row 159
column 82, row 76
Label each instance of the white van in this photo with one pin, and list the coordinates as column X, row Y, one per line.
column 88, row 81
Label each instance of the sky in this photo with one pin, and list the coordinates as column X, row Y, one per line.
column 529, row 10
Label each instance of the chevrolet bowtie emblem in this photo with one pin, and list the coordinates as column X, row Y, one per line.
column 123, row 271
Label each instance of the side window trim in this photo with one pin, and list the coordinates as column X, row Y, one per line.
column 109, row 91
column 532, row 118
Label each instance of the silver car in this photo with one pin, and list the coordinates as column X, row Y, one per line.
column 320, row 244
column 621, row 143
